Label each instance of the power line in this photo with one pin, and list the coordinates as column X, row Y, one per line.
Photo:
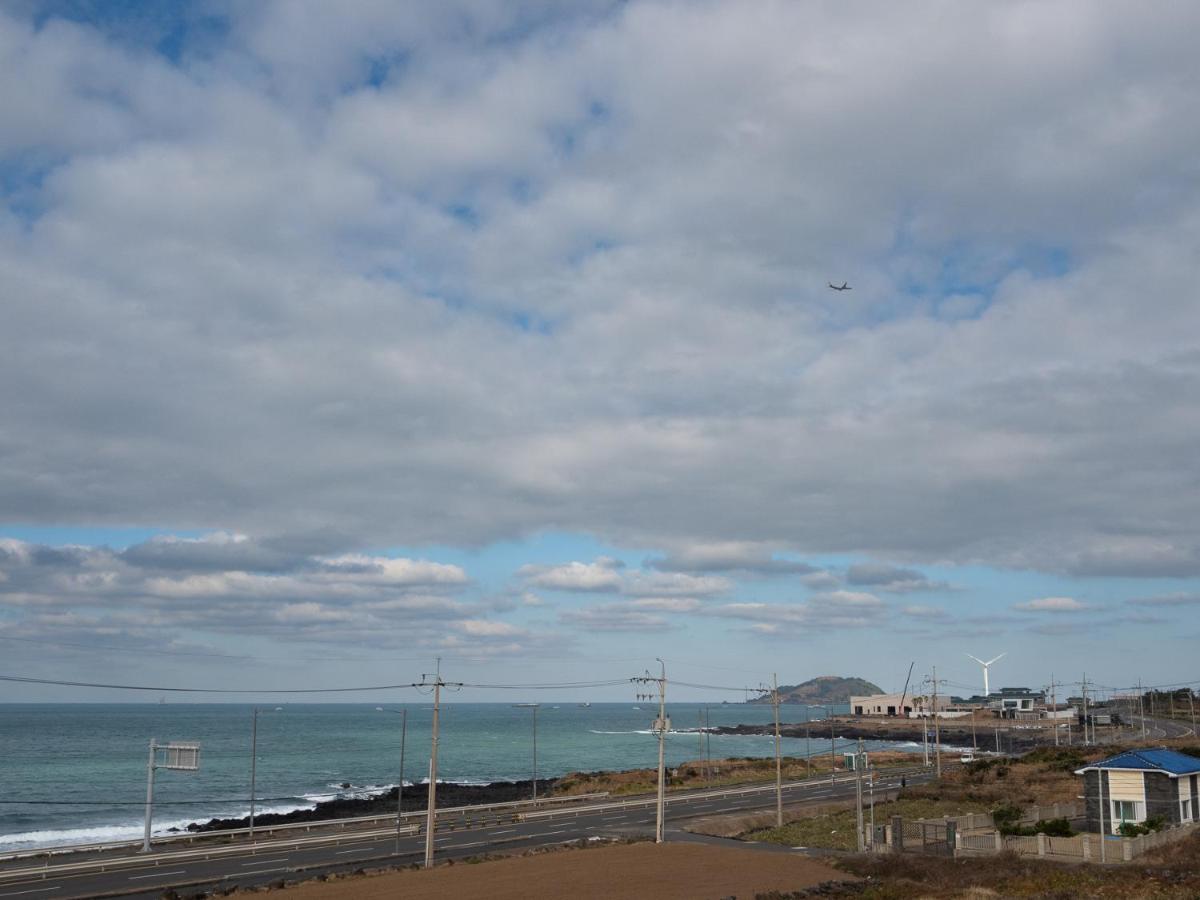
column 562, row 685
column 20, row 679
column 157, row 802
column 716, row 687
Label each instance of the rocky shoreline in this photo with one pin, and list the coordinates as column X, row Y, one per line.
column 954, row 735
column 448, row 794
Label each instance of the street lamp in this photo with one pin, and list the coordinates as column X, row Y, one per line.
column 403, row 713
column 534, row 708
column 254, row 760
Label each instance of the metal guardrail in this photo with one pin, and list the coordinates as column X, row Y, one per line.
column 340, row 824
column 205, row 853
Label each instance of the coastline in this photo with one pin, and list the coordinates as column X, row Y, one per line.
column 384, row 802
column 952, row 735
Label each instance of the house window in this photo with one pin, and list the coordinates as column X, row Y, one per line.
column 1126, row 811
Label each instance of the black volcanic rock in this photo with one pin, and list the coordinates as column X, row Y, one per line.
column 415, row 798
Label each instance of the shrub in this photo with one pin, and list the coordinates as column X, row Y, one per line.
column 1132, row 829
column 1005, row 818
column 1054, row 827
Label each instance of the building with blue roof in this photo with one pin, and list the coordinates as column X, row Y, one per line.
column 1140, row 784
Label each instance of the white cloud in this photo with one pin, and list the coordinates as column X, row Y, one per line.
column 614, row 618
column 927, row 613
column 830, row 610
column 1053, row 605
column 602, row 575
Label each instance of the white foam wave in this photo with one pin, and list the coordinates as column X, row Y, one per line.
column 95, row 834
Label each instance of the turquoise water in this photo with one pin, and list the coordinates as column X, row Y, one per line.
column 94, row 755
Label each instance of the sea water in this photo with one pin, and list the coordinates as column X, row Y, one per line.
column 75, row 773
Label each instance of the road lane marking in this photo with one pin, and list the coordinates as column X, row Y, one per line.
column 265, row 871
column 364, row 850
column 503, row 830
column 32, row 891
column 267, row 862
column 157, row 874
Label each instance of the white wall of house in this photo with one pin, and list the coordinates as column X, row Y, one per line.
column 1125, row 798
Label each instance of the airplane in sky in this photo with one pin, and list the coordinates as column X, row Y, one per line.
column 844, row 287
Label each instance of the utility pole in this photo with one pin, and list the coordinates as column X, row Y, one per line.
column 707, row 746
column 254, row 762
column 431, row 812
column 774, row 691
column 808, row 746
column 925, row 737
column 1192, row 707
column 871, row 785
column 1142, row 707
column 253, row 766
column 661, row 725
column 1085, row 711
column 1054, row 708
column 858, row 794
column 937, row 730
column 149, row 794
column 400, row 783
column 832, row 755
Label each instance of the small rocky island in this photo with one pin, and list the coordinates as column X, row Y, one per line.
column 823, row 689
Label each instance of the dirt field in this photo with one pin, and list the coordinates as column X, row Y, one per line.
column 661, row 872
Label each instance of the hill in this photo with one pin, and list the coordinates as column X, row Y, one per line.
column 824, row 689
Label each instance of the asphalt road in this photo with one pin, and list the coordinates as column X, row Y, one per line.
column 149, row 875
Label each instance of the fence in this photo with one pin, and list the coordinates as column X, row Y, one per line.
column 962, row 836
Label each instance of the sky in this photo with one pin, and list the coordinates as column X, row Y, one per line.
column 337, row 338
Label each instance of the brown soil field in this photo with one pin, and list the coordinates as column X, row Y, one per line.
column 654, row 872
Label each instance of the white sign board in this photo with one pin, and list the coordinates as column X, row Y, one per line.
column 181, row 756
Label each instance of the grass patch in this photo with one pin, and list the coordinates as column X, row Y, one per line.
column 836, row 830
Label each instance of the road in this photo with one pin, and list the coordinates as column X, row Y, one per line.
column 196, row 868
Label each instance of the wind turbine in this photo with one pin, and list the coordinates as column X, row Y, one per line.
column 986, row 665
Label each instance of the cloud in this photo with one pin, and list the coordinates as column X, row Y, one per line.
column 1167, row 600
column 267, row 284
column 601, row 576
column 150, row 596
column 892, row 579
column 728, row 556
column 821, row 581
column 614, row 618
column 925, row 613
column 1052, row 605
column 831, row 610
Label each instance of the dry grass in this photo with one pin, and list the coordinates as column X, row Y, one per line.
column 653, row 872
column 1171, row 873
column 724, row 772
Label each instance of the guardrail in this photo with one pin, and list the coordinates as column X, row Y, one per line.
column 160, row 859
column 340, row 824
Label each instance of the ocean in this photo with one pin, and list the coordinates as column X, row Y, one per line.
column 82, row 767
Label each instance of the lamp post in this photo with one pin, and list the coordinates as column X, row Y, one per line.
column 403, row 713
column 254, row 760
column 534, row 708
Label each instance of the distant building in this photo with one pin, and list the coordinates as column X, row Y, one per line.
column 1018, row 703
column 1139, row 784
column 891, row 705
column 882, row 705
